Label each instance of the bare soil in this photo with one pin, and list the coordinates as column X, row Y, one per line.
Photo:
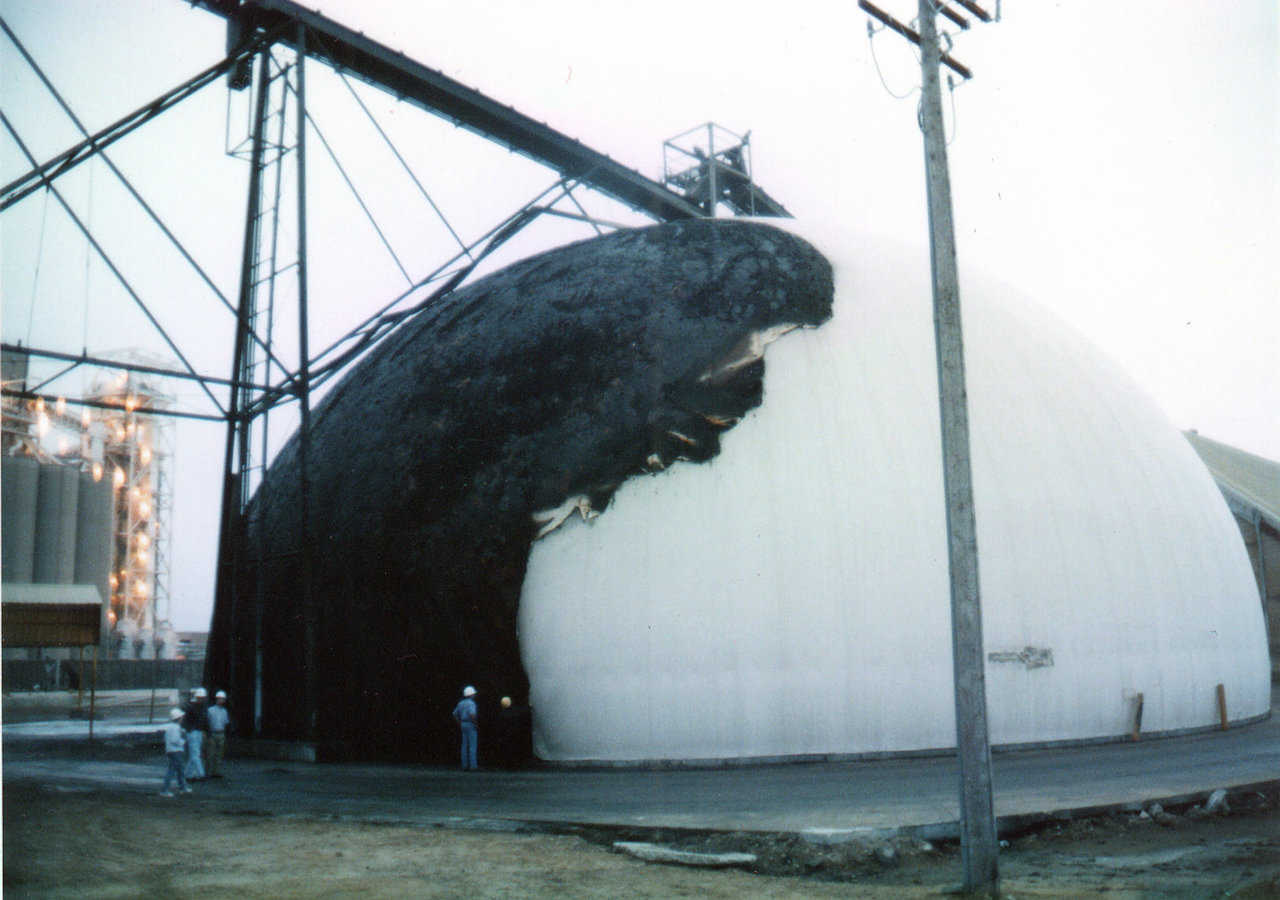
column 74, row 842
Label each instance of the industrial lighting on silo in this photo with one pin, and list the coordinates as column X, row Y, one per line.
column 40, row 406
column 120, row 434
column 144, row 509
column 97, row 471
column 130, row 403
column 85, row 418
column 145, row 455
column 143, row 540
column 61, row 406
column 113, row 580
column 42, row 423
column 117, row 477
column 111, row 616
column 141, row 556
column 140, row 588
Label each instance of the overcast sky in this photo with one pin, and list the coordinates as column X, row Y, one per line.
column 1116, row 162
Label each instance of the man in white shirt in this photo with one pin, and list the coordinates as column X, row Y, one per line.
column 218, row 722
column 175, row 750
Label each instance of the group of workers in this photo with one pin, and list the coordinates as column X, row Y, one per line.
column 190, row 757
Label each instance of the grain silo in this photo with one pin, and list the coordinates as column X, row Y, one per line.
column 57, row 499
column 727, row 468
column 21, row 485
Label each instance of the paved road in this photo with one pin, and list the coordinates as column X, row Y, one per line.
column 816, row 798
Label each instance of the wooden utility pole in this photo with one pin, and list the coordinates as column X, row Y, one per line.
column 977, row 814
column 978, row 842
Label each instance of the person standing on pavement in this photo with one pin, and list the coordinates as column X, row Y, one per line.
column 219, row 719
column 175, row 746
column 195, row 720
column 466, row 715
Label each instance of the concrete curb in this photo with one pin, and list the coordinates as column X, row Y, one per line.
column 1009, row 826
column 1006, row 826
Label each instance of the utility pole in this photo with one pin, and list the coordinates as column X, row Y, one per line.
column 977, row 813
column 978, row 842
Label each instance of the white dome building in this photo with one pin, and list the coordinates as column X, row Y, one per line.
column 790, row 597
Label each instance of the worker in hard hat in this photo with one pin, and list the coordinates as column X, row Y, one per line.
column 219, row 721
column 466, row 715
column 175, row 748
column 195, row 720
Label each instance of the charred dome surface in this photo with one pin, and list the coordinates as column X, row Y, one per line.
column 554, row 379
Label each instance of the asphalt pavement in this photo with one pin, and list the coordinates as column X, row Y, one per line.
column 830, row 800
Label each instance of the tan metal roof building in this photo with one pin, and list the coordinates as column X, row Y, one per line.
column 50, row 615
column 1251, row 486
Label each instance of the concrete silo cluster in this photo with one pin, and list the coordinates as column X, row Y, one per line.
column 86, row 502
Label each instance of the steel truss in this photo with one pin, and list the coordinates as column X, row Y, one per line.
column 259, row 380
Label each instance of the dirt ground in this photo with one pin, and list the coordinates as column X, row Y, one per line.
column 77, row 842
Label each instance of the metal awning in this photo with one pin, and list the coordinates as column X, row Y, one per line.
column 50, row 615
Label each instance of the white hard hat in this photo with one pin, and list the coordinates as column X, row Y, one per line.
column 175, row 713
column 201, row 692
column 221, row 695
column 468, row 691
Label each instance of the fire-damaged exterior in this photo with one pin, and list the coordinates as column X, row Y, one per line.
column 485, row 419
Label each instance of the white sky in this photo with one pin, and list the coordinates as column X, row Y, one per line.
column 1117, row 162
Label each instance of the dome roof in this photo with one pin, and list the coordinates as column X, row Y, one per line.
column 790, row 597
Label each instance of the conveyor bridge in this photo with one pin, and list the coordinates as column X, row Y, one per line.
column 353, row 53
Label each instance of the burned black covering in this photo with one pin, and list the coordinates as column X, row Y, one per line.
column 561, row 375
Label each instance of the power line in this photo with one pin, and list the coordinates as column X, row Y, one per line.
column 871, row 32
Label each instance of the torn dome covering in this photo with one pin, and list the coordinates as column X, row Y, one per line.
column 482, row 422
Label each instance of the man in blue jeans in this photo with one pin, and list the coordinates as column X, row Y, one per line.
column 465, row 714
column 195, row 720
column 175, row 747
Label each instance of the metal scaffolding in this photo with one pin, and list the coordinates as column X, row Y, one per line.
column 136, row 446
column 268, row 44
column 711, row 167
